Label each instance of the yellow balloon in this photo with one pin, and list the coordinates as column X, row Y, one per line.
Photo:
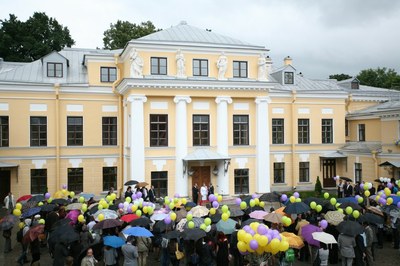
column 81, row 218
column 313, row 204
column 100, row 207
column 128, row 199
column 356, row 214
column 398, row 193
column 172, row 216
column 84, row 207
column 40, row 204
column 292, row 199
column 100, row 217
column 360, row 200
column 243, row 205
column 387, row 191
column 224, row 216
column 207, row 221
column 333, row 201
column 248, row 238
column 254, row 226
column 263, row 241
column 139, row 213
column 150, row 210
column 49, row 200
column 145, row 210
column 349, row 210
column 184, row 201
column 191, row 224
column 21, row 225
column 298, row 200
column 283, row 246
column 241, row 234
column 18, row 206
column 326, row 195
column 367, row 193
column 340, row 210
column 203, row 227
column 113, row 196
column 212, row 211
column 257, row 201
column 81, row 199
column 242, row 246
column 219, row 198
column 189, row 216
column 72, row 194
column 108, row 198
column 318, row 208
column 262, row 204
column 389, row 201
column 134, row 208
column 275, row 244
column 17, row 212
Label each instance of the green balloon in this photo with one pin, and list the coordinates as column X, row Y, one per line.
column 333, row 201
column 313, row 204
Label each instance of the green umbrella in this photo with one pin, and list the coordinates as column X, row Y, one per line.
column 227, row 227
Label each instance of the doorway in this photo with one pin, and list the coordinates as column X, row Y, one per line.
column 202, row 174
column 329, row 171
column 4, row 184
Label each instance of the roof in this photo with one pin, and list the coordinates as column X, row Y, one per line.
column 334, row 154
column 306, row 84
column 379, row 108
column 184, row 33
column 391, row 163
column 361, row 147
column 205, row 155
column 7, row 165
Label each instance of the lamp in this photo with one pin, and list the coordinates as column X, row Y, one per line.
column 215, row 170
column 191, row 171
column 226, row 165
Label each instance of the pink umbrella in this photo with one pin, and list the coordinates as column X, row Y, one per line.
column 73, row 215
column 258, row 214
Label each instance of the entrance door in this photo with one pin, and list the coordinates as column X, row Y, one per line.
column 329, row 171
column 4, row 184
column 202, row 174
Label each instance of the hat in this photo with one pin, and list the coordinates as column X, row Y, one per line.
column 37, row 216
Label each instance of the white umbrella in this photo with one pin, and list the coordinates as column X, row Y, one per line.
column 158, row 216
column 324, row 237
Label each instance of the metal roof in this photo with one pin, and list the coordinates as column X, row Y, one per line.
column 361, row 147
column 205, row 155
column 334, row 154
column 379, row 108
column 391, row 163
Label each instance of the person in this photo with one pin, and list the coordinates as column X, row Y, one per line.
column 237, row 257
column 323, row 254
column 180, row 64
column 210, row 189
column 204, row 193
column 128, row 192
column 60, row 253
column 172, row 245
column 395, row 232
column 9, row 202
column 7, row 240
column 89, row 259
column 195, row 193
column 348, row 191
column 222, row 250
column 35, row 251
column 340, row 189
column 69, row 261
column 369, row 233
column 130, row 252
column 300, row 223
column 23, row 258
column 262, row 68
column 110, row 191
column 222, row 64
column 143, row 246
column 381, row 186
column 110, row 256
column 144, row 193
column 136, row 65
column 346, row 246
column 357, row 189
column 86, row 237
column 359, row 250
column 152, row 194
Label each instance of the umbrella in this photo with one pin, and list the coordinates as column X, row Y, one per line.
column 180, row 214
column 190, row 205
column 141, row 221
column 306, row 233
column 108, row 214
column 216, row 218
column 311, row 199
column 33, row 233
column 247, row 200
column 296, row 208
column 161, row 226
column 28, row 205
column 281, row 211
column 93, row 208
column 236, row 213
column 352, row 205
column 271, row 197
column 375, row 210
column 193, row 234
column 346, row 179
column 137, row 231
column 183, row 224
column 37, row 198
column 141, row 184
column 73, row 215
column 396, row 199
column 159, row 216
column 8, row 221
column 199, row 211
column 60, row 223
column 388, row 208
column 334, row 217
column 273, row 217
column 324, row 237
column 249, row 221
column 395, row 213
column 97, row 252
column 347, row 199
column 372, row 218
column 86, row 196
column 60, row 201
column 30, row 212
column 129, row 217
column 227, row 227
column 130, row 183
column 69, row 235
column 172, row 235
column 350, row 228
column 74, row 206
column 61, row 194
column 108, row 223
column 251, row 209
column 258, row 214
column 24, row 198
column 113, row 241
column 294, row 240
column 47, row 207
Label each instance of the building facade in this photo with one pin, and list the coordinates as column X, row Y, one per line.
column 184, row 106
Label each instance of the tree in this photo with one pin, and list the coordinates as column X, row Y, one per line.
column 339, row 77
column 380, row 77
column 122, row 32
column 318, row 187
column 30, row 40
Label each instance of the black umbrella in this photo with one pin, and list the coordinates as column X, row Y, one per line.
column 346, row 179
column 352, row 205
column 215, row 218
column 249, row 221
column 65, row 233
column 48, row 207
column 193, row 234
column 271, row 197
column 319, row 201
column 247, row 199
column 236, row 213
column 30, row 212
column 172, row 235
column 372, row 218
column 296, row 208
column 142, row 221
column 60, row 201
column 161, row 226
column 107, row 223
column 94, row 209
column 350, row 228
column 37, row 198
column 190, row 204
column 113, row 207
column 60, row 223
column 8, row 222
column 388, row 208
column 131, row 183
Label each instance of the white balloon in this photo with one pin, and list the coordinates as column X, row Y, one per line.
column 208, row 228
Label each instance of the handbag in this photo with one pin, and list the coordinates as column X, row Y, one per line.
column 179, row 255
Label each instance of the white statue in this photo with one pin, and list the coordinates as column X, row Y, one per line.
column 180, row 64
column 222, row 65
column 136, row 65
column 262, row 68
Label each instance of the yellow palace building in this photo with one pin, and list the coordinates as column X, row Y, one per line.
column 184, row 106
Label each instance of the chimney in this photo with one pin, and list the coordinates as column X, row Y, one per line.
column 287, row 61
column 268, row 62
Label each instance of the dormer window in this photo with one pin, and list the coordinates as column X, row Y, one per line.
column 54, row 70
column 355, row 85
column 289, row 77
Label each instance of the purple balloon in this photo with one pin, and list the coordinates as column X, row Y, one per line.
column 238, row 201
column 335, row 178
column 389, row 185
column 64, row 186
column 133, row 196
column 323, row 224
column 139, row 194
column 251, row 232
column 383, row 196
column 262, row 230
column 296, row 195
column 278, row 237
column 47, row 195
column 176, row 195
column 167, row 220
column 284, row 197
column 253, row 244
column 215, row 204
column 120, row 206
column 356, row 197
column 254, row 196
column 362, row 185
column 275, row 233
column 398, row 204
column 246, row 228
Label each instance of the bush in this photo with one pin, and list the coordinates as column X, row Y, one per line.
column 318, row 187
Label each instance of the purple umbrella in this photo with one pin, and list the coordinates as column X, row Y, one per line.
column 73, row 215
column 306, row 232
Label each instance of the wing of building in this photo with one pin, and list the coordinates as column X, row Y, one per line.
column 183, row 106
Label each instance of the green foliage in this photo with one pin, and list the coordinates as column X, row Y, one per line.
column 30, row 40
column 339, row 77
column 380, row 77
column 318, row 187
column 120, row 33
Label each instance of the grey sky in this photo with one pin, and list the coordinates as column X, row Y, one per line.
column 322, row 36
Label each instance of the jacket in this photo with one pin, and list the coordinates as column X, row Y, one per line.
column 143, row 244
column 7, row 202
column 130, row 253
column 346, row 246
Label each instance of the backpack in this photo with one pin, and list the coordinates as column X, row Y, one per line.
column 164, row 242
column 289, row 255
column 20, row 235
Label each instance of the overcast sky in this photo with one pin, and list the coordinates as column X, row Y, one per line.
column 322, row 36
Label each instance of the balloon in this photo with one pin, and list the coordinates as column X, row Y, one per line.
column 241, row 246
column 333, row 201
column 81, row 199
column 172, row 216
column 248, row 237
column 40, row 204
column 215, row 204
column 323, row 224
column 18, row 206
column 262, row 229
column 298, row 200
column 189, row 216
column 100, row 217
column 81, row 218
column 184, row 201
column 138, row 212
column 17, row 212
column 398, row 204
column 167, row 220
column 292, row 199
column 257, row 201
column 224, row 216
column 326, row 195
column 108, row 198
column 253, row 244
column 252, row 203
column 72, row 194
column 284, row 197
column 340, row 210
column 318, row 208
column 42, row 221
column 64, row 186
column 387, row 191
column 263, row 241
column 134, row 208
column 120, row 206
column 212, row 211
column 191, row 224
column 296, row 194
column 262, row 204
column 284, row 245
column 241, row 234
column 219, row 198
column 238, row 201
column 144, row 209
column 207, row 221
column 243, row 205
column 84, row 207
column 128, row 199
column 313, row 204
column 224, row 208
column 356, row 214
column 47, row 195
column 389, row 201
column 274, row 244
column 360, row 199
column 349, row 210
column 139, row 194
column 203, row 227
column 49, row 200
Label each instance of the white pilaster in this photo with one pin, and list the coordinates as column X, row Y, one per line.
column 222, row 141
column 181, row 178
column 137, row 137
column 263, row 161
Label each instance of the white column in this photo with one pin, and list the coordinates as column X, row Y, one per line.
column 137, row 137
column 181, row 146
column 262, row 159
column 222, row 141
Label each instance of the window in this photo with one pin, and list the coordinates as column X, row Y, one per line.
column 75, row 179
column 4, row 131
column 241, row 181
column 304, row 172
column 38, row 181
column 201, row 130
column 54, row 70
column 355, row 85
column 109, row 178
column 289, row 77
column 303, row 131
column 38, row 131
column 108, row 74
column 75, row 131
column 279, row 172
column 158, row 130
column 278, row 131
column 200, row 67
column 109, row 131
column 346, row 127
column 240, row 130
column 159, row 66
column 327, row 131
column 358, row 172
column 239, row 69
column 160, row 182
column 361, row 132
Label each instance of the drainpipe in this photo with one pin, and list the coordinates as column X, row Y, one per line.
column 349, row 100
column 374, row 153
column 293, row 137
column 57, row 91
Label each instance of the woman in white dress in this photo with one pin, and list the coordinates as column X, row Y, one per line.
column 203, row 193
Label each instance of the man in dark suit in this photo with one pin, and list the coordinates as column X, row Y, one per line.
column 348, row 190
column 152, row 194
column 195, row 193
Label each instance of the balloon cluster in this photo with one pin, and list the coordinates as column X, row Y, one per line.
column 18, row 209
column 170, row 204
column 294, row 198
column 259, row 238
column 134, row 204
column 255, row 201
column 315, row 206
column 286, row 221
